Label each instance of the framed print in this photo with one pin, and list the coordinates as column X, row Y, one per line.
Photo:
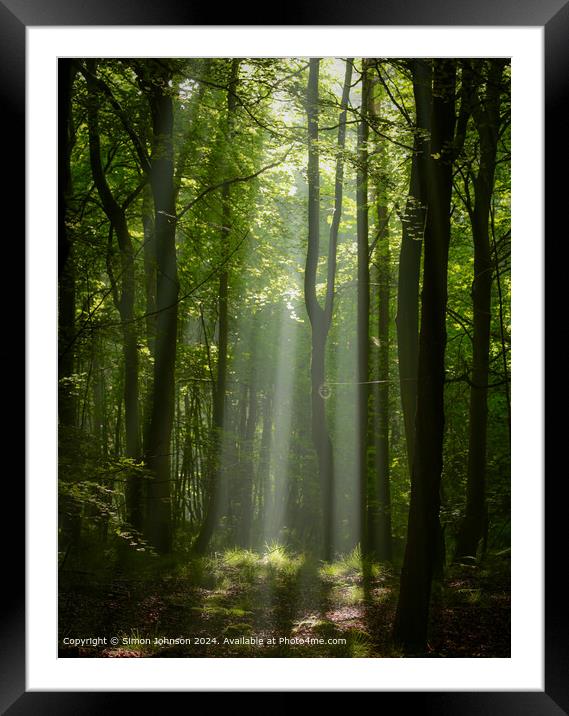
column 243, row 470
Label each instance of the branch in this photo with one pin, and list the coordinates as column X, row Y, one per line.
column 401, row 107
column 466, row 379
column 121, row 114
column 226, row 182
column 338, row 193
column 134, row 193
column 112, row 324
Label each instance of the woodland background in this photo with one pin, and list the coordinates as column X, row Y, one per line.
column 284, row 353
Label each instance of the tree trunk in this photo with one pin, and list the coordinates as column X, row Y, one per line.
column 320, row 318
column 407, row 319
column 69, row 508
column 321, row 436
column 213, row 507
column 411, row 621
column 117, row 447
column 380, row 515
column 247, row 463
column 383, row 546
column 487, row 119
column 66, row 297
column 150, row 284
column 149, row 267
column 362, row 322
column 158, row 522
column 264, row 464
column 117, row 219
column 99, row 412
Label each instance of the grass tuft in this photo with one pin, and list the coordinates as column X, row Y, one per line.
column 279, row 561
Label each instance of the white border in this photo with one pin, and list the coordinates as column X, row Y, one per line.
column 524, row 671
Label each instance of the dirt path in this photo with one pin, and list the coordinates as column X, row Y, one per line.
column 277, row 605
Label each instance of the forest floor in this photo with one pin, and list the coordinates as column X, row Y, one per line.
column 243, row 604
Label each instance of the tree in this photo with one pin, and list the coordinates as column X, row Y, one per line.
column 66, row 73
column 411, row 619
column 486, row 113
column 320, row 318
column 413, row 226
column 231, row 231
column 125, row 300
column 155, row 79
column 68, row 508
column 363, row 306
column 382, row 519
column 212, row 507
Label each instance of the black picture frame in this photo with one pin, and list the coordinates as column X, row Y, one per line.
column 553, row 15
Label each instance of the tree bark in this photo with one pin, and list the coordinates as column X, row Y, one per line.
column 411, row 621
column 487, row 120
column 99, row 401
column 383, row 545
column 263, row 466
column 247, row 466
column 66, row 297
column 117, row 219
column 320, row 318
column 362, row 321
column 213, row 506
column 149, row 267
column 380, row 513
column 69, row 508
column 158, row 522
column 407, row 319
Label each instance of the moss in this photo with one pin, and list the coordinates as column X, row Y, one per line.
column 237, row 630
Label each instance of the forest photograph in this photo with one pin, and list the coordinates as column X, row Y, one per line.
column 284, row 357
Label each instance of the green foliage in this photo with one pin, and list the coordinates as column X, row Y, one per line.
column 280, row 561
column 350, row 565
column 247, row 167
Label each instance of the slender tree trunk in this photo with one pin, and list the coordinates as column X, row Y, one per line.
column 188, row 463
column 362, row 323
column 487, row 119
column 264, row 464
column 149, row 267
column 158, row 523
column 380, row 515
column 66, row 297
column 69, row 508
column 246, row 455
column 320, row 318
column 131, row 415
column 383, row 546
column 117, row 447
column 407, row 319
column 100, row 432
column 213, row 501
column 176, row 472
column 247, row 466
column 411, row 621
column 196, row 461
column 502, row 330
column 125, row 302
column 321, row 436
column 319, row 430
column 150, row 285
column 99, row 418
